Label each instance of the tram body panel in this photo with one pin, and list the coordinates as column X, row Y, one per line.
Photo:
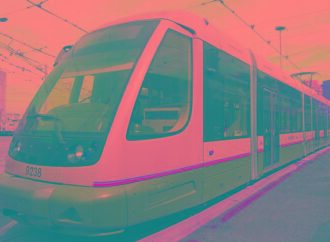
column 292, row 146
column 159, row 168
column 84, row 176
column 69, row 209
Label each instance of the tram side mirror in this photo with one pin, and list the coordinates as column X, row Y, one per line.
column 62, row 55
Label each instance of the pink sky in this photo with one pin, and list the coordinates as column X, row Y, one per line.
column 306, row 40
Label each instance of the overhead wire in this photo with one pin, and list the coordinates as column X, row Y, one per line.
column 298, row 16
column 35, row 64
column 4, row 59
column 27, row 45
column 39, row 5
column 16, row 11
column 22, row 42
column 252, row 27
column 22, row 9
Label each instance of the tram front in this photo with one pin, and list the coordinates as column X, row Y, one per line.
column 68, row 141
column 60, row 140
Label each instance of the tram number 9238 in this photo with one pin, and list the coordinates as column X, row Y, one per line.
column 33, row 171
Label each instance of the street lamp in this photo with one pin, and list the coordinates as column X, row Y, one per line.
column 280, row 29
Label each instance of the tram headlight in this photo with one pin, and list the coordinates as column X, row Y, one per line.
column 16, row 148
column 71, row 158
column 82, row 153
column 79, row 152
column 77, row 155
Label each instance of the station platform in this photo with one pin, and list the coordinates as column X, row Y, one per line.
column 291, row 205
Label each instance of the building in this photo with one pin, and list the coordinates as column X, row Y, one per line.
column 3, row 83
column 326, row 89
column 11, row 121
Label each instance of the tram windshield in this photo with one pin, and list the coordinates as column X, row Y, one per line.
column 75, row 107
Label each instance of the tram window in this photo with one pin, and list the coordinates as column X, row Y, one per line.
column 86, row 89
column 164, row 101
column 298, row 108
column 314, row 114
column 320, row 116
column 300, row 113
column 296, row 111
column 226, row 96
column 324, row 118
column 328, row 119
column 59, row 96
column 74, row 99
column 308, row 124
column 286, row 114
column 290, row 109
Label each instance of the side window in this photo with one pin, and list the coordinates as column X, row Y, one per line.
column 324, row 118
column 164, row 101
column 226, row 96
column 286, row 109
column 317, row 115
column 86, row 89
column 308, row 124
column 299, row 112
column 314, row 113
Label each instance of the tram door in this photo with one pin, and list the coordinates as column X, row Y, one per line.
column 270, row 128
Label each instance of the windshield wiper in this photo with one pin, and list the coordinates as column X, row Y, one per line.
column 51, row 118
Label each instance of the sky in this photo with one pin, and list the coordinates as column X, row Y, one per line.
column 306, row 40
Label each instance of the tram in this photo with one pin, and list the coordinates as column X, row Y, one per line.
column 149, row 116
